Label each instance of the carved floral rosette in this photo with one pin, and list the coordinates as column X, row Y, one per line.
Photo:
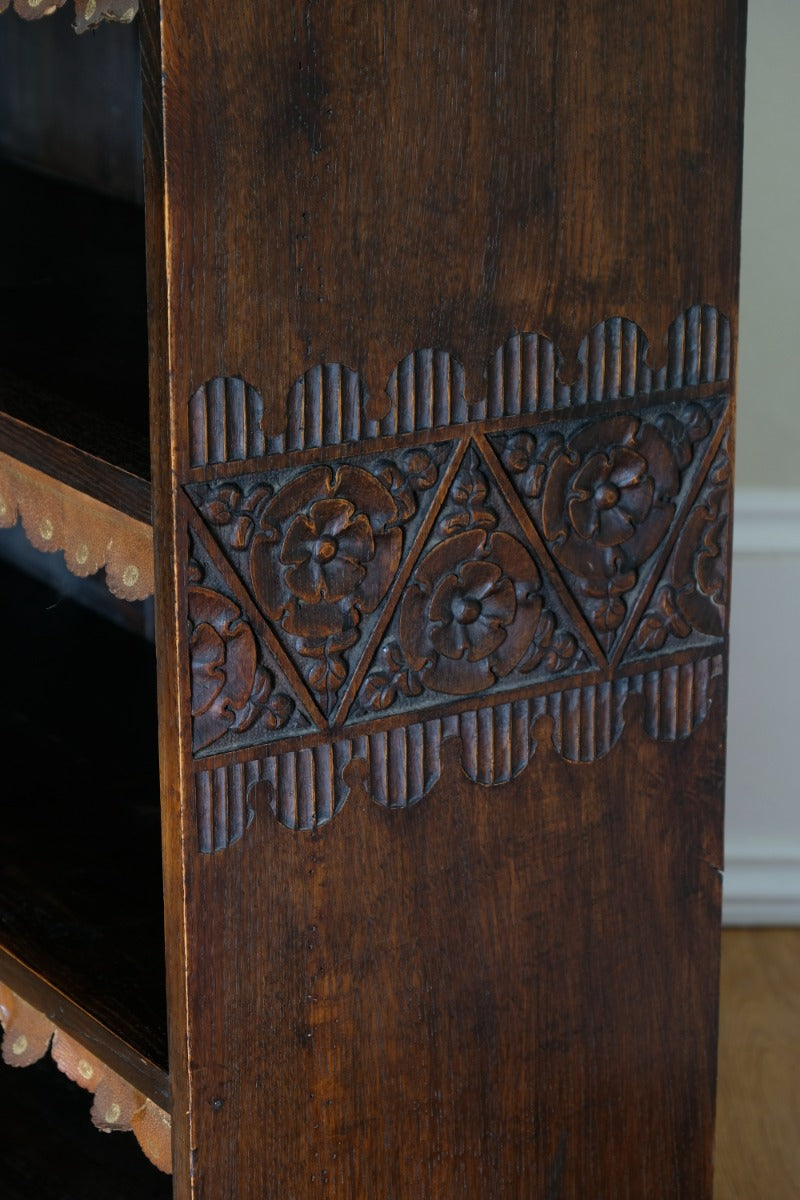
column 452, row 569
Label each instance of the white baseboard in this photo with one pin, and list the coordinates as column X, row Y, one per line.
column 761, row 888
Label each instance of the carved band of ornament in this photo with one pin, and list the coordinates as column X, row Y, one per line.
column 330, row 405
column 288, row 583
column 304, row 789
column 118, row 1106
column 398, row 582
column 609, row 494
column 88, row 13
column 91, row 534
column 369, row 610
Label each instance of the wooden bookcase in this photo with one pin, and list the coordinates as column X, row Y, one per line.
column 439, row 305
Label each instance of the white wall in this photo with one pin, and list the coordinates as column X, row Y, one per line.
column 762, row 839
column 762, row 842
column 768, row 451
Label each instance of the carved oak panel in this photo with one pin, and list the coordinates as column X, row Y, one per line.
column 383, row 574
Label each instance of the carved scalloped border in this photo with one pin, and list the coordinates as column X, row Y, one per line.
column 559, row 675
column 91, row 534
column 306, row 788
column 330, row 405
column 88, row 13
column 118, row 1106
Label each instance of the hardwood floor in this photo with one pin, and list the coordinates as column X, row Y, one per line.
column 758, row 1098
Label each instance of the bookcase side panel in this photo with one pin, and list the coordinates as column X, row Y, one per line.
column 444, row 472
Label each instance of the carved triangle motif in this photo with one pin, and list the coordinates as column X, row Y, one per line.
column 604, row 495
column 318, row 550
column 239, row 694
column 687, row 606
column 478, row 613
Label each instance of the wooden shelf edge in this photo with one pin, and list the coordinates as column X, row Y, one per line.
column 63, row 460
column 75, row 1022
column 118, row 1107
column 92, row 534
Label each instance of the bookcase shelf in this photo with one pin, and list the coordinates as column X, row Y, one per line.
column 74, row 442
column 366, row 395
column 81, row 918
column 73, row 339
column 82, row 969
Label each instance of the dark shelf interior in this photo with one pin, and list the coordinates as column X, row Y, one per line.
column 73, row 328
column 80, row 852
column 73, row 105
column 49, row 1149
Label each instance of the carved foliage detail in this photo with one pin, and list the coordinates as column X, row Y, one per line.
column 604, row 495
column 471, row 611
column 231, row 688
column 372, row 588
column 325, row 555
column 692, row 596
column 474, row 610
column 320, row 552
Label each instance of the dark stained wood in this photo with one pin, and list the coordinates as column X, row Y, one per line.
column 441, row 317
column 507, row 993
column 507, row 986
column 169, row 703
column 55, row 456
column 80, row 880
column 439, row 177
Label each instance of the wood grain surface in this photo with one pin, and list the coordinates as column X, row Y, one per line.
column 441, row 310
column 507, row 990
column 425, row 176
column 758, row 1092
column 757, row 1102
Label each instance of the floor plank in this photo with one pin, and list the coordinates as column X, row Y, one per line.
column 758, row 1098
